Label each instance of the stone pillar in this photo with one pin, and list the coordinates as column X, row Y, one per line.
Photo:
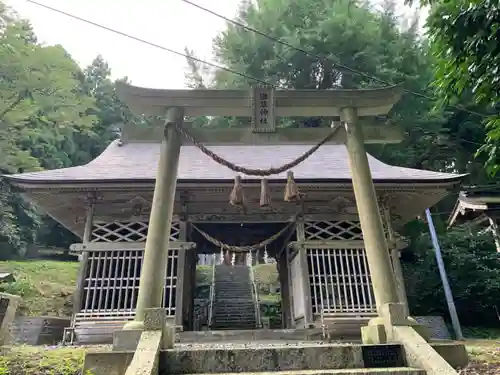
column 304, row 273
column 160, row 220
column 84, row 256
column 180, row 288
column 395, row 256
column 377, row 252
column 400, row 282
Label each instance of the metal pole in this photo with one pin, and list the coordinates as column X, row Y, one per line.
column 444, row 278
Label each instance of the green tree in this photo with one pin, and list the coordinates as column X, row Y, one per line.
column 464, row 35
column 342, row 37
column 41, row 109
column 473, row 268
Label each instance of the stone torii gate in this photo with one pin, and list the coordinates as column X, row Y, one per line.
column 356, row 110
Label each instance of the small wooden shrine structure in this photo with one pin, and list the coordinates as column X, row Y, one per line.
column 322, row 259
column 478, row 206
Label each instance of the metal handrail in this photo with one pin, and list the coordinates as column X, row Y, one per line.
column 255, row 293
column 212, row 293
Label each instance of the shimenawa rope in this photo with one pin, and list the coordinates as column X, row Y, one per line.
column 249, row 171
column 242, row 249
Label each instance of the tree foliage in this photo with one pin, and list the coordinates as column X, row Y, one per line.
column 52, row 115
column 343, row 38
column 473, row 268
column 464, row 35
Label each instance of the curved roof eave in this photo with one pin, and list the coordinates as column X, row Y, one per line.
column 26, row 183
column 136, row 163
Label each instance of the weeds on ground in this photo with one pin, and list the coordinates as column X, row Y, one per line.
column 29, row 360
column 45, row 286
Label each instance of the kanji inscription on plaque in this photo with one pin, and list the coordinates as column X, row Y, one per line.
column 263, row 106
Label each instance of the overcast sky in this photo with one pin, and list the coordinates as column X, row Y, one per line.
column 170, row 23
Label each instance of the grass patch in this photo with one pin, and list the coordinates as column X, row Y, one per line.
column 484, row 357
column 46, row 287
column 484, row 350
column 29, row 360
column 266, row 274
column 204, row 274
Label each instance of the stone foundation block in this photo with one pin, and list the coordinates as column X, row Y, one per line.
column 394, row 314
column 126, row 340
column 154, row 319
column 8, row 308
column 107, row 363
column 373, row 334
column 453, row 352
column 168, row 337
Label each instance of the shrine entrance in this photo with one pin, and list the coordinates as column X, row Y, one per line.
column 235, row 250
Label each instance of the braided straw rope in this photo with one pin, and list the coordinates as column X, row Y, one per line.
column 243, row 249
column 249, row 171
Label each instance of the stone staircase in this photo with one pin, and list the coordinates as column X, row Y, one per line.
column 234, row 306
column 270, row 353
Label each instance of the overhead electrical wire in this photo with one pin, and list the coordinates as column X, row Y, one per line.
column 155, row 45
column 137, row 39
column 321, row 58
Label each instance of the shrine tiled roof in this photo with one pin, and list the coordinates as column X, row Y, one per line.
column 138, row 161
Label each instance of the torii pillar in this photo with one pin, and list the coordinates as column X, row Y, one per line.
column 263, row 105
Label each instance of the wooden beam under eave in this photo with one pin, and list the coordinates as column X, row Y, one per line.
column 288, row 103
column 374, row 132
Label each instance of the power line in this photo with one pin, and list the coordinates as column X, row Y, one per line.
column 147, row 42
column 321, row 58
column 129, row 36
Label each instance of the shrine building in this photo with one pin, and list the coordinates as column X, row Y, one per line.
column 478, row 207
column 320, row 254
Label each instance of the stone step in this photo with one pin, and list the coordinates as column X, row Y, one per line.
column 354, row 371
column 230, row 294
column 234, row 318
column 225, row 312
column 231, row 320
column 228, row 285
column 285, row 335
column 235, row 308
column 222, row 322
column 234, row 304
column 243, row 274
column 200, row 358
column 235, row 278
column 236, row 324
column 233, row 327
column 230, row 313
